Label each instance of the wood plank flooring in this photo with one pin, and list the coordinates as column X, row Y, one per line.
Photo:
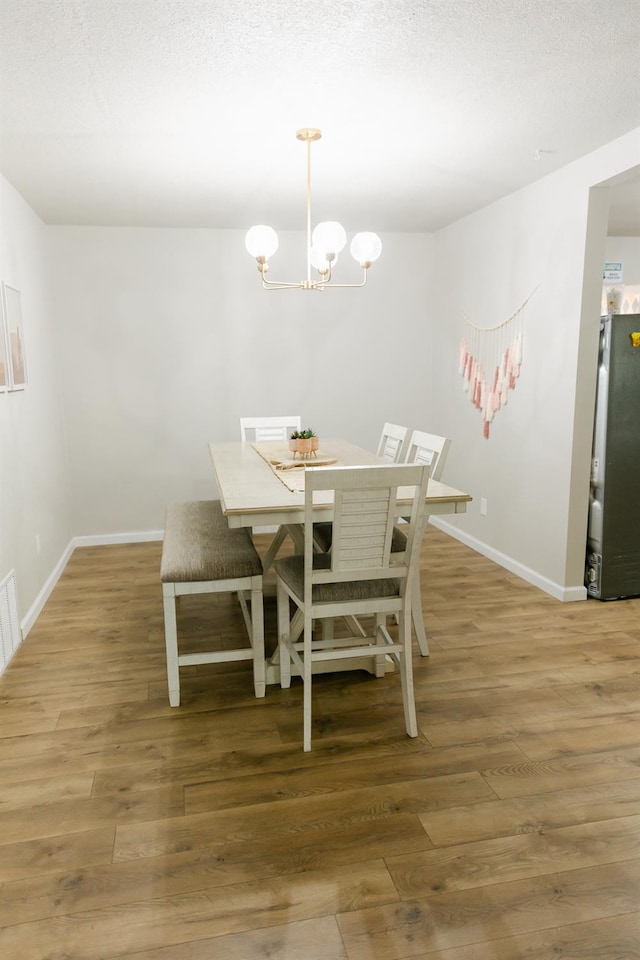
column 509, row 829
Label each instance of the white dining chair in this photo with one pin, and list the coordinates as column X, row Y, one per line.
column 262, row 429
column 392, row 442
column 359, row 577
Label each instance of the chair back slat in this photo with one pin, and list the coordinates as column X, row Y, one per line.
column 424, row 456
column 365, row 510
column 263, row 429
column 392, row 440
column 428, row 448
column 360, row 530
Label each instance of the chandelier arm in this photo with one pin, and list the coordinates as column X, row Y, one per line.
column 325, row 278
column 274, row 284
column 309, row 284
column 280, row 285
column 361, row 284
column 323, row 281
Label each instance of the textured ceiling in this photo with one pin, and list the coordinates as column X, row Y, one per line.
column 184, row 112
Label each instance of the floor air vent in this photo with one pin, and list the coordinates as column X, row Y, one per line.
column 9, row 625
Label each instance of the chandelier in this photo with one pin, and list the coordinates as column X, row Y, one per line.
column 323, row 245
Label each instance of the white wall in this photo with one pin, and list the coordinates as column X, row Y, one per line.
column 167, row 338
column 34, row 494
column 534, row 468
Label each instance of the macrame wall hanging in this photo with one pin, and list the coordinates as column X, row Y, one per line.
column 490, row 361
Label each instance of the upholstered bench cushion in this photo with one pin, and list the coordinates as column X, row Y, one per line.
column 291, row 569
column 199, row 546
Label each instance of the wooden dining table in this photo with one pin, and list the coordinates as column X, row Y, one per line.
column 255, row 493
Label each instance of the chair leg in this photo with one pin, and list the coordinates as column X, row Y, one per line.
column 257, row 639
column 418, row 620
column 418, row 617
column 381, row 660
column 307, row 669
column 406, row 674
column 171, row 642
column 284, row 628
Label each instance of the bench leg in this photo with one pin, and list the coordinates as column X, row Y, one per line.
column 171, row 641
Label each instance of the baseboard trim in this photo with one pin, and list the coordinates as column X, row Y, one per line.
column 565, row 594
column 95, row 540
column 36, row 607
column 104, row 539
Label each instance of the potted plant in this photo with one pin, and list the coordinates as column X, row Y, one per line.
column 305, row 443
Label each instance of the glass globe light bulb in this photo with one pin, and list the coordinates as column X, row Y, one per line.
column 366, row 247
column 261, row 241
column 329, row 236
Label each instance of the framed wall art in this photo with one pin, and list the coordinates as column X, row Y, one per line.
column 14, row 340
column 4, row 357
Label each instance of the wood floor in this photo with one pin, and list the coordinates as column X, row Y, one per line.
column 509, row 829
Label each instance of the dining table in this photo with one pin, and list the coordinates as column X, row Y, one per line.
column 255, row 482
column 262, row 485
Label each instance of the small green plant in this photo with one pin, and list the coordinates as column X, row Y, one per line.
column 303, row 434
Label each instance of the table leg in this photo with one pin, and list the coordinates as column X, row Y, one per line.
column 274, row 546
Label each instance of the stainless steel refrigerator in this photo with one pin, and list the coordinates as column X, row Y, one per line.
column 613, row 539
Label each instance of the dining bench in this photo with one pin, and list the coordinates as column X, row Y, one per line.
column 201, row 554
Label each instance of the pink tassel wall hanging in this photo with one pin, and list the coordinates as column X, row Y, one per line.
column 497, row 350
